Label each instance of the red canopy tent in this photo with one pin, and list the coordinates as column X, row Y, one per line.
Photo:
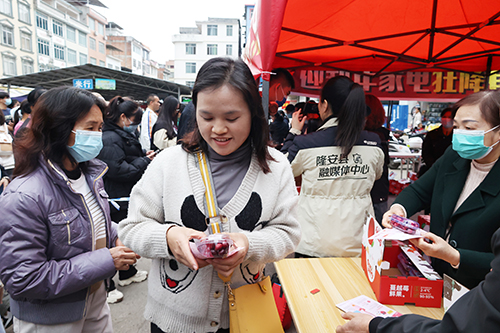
column 397, row 49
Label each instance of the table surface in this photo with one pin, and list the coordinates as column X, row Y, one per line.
column 395, row 154
column 338, row 279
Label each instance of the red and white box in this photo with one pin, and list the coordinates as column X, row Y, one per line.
column 388, row 284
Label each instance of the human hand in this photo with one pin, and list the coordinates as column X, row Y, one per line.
column 395, row 209
column 178, row 242
column 226, row 266
column 150, row 154
column 298, row 120
column 358, row 323
column 123, row 257
column 439, row 248
column 4, row 182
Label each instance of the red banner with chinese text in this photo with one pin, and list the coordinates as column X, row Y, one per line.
column 421, row 86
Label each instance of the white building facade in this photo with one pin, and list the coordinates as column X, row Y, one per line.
column 216, row 37
column 61, row 35
column 17, row 41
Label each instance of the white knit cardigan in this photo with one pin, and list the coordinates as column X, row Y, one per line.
column 182, row 300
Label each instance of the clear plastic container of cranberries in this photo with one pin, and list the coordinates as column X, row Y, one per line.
column 214, row 246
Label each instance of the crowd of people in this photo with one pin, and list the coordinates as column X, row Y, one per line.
column 90, row 186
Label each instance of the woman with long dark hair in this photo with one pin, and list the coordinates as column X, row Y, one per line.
column 127, row 161
column 58, row 242
column 165, row 129
column 253, row 189
column 338, row 164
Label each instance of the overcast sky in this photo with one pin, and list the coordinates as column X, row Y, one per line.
column 153, row 22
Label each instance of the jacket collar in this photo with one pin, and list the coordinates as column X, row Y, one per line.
column 94, row 170
column 330, row 122
column 110, row 126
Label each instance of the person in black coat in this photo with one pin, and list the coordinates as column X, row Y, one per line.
column 126, row 161
column 476, row 311
column 278, row 129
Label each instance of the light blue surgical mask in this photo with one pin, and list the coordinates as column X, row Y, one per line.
column 131, row 129
column 470, row 144
column 8, row 101
column 88, row 145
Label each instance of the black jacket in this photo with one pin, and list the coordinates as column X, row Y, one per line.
column 380, row 190
column 125, row 158
column 434, row 146
column 476, row 311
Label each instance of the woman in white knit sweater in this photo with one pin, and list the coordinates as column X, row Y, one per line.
column 254, row 189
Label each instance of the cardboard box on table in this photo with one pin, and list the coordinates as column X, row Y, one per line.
column 389, row 285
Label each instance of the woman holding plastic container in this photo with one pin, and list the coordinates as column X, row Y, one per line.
column 254, row 191
column 463, row 192
column 339, row 164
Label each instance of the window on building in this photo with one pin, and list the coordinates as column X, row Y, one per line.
column 43, row 47
column 102, row 63
column 139, row 64
column 135, row 63
column 27, row 66
column 91, row 43
column 190, row 48
column 6, row 8
column 72, row 56
column 212, row 49
column 229, row 30
column 71, row 34
column 212, row 29
column 110, row 66
column 93, row 61
column 83, row 59
column 136, row 49
column 146, row 68
column 100, row 28
column 42, row 21
column 82, row 39
column 24, row 12
column 190, row 67
column 91, row 24
column 145, row 54
column 7, row 35
column 57, row 28
column 26, row 42
column 59, row 52
column 229, row 49
column 102, row 48
column 9, row 65
column 190, row 84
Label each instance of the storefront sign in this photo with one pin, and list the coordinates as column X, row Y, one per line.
column 409, row 85
column 105, row 84
column 83, row 83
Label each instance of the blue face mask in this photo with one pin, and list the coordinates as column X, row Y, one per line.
column 8, row 101
column 88, row 145
column 131, row 129
column 470, row 144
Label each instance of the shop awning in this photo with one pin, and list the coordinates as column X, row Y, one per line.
column 127, row 84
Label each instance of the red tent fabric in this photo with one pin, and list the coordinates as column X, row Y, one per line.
column 379, row 36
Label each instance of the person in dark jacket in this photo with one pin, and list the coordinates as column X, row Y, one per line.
column 278, row 129
column 187, row 121
column 58, row 242
column 127, row 161
column 374, row 122
column 437, row 141
column 477, row 311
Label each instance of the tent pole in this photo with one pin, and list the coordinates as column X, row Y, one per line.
column 265, row 97
column 488, row 71
column 390, row 116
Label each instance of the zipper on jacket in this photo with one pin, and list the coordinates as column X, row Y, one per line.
column 67, row 226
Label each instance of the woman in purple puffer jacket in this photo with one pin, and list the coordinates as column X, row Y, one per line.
column 58, row 242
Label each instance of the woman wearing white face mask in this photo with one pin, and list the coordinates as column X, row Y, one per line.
column 463, row 192
column 58, row 242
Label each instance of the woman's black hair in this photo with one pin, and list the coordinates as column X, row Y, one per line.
column 54, row 117
column 216, row 73
column 488, row 102
column 166, row 116
column 346, row 100
column 128, row 107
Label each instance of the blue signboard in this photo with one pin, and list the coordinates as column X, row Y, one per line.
column 399, row 119
column 83, row 83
